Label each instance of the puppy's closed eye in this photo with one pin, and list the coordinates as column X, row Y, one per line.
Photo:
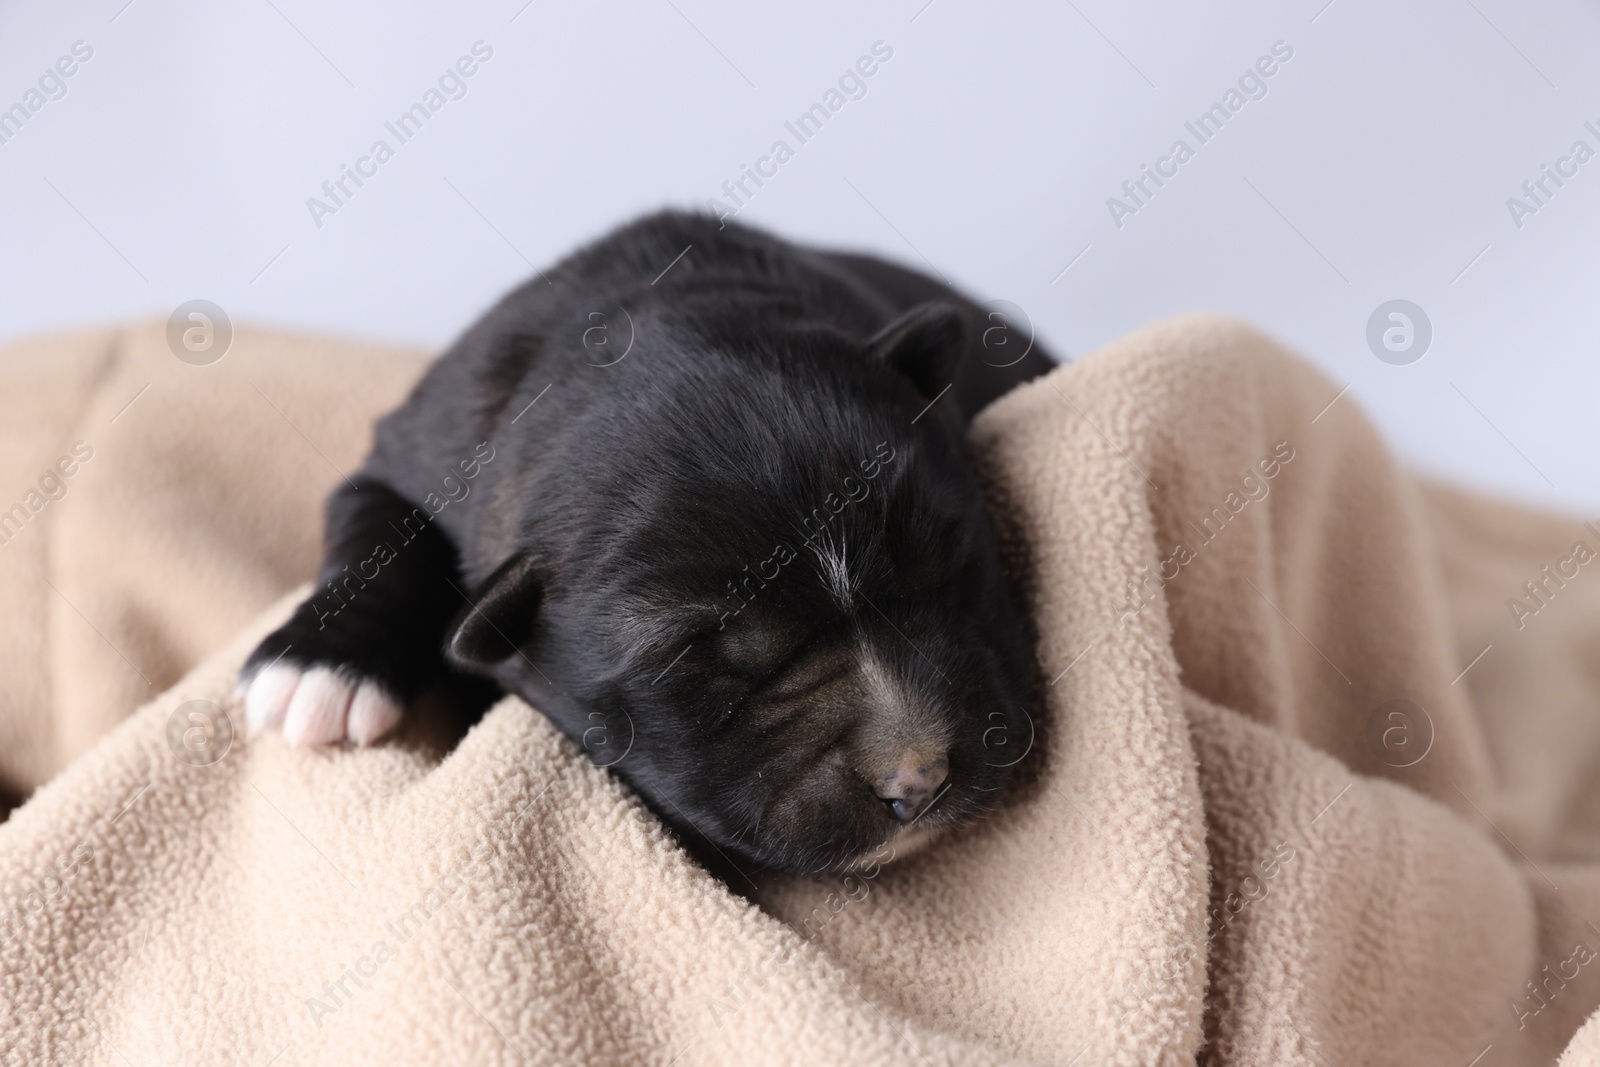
column 757, row 646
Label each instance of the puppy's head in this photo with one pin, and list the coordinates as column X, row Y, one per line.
column 778, row 611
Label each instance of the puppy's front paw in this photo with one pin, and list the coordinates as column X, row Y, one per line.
column 318, row 705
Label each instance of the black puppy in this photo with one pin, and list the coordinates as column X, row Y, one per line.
column 700, row 497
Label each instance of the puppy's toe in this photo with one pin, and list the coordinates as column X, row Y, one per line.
column 372, row 714
column 318, row 712
column 267, row 699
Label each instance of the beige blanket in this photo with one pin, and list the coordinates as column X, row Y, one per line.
column 1307, row 788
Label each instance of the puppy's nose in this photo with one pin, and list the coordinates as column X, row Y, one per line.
column 911, row 787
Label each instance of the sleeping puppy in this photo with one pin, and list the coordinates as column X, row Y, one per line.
column 709, row 511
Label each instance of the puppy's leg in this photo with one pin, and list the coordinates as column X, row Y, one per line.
column 368, row 640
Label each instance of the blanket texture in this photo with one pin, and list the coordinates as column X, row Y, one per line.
column 1311, row 778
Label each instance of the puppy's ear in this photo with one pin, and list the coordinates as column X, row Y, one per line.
column 923, row 344
column 493, row 629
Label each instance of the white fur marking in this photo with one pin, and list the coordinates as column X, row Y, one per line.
column 372, row 714
column 267, row 700
column 888, row 690
column 835, row 571
column 319, row 706
column 318, row 712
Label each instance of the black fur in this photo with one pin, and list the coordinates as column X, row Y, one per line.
column 617, row 498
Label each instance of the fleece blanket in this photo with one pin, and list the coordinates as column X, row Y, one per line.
column 1311, row 777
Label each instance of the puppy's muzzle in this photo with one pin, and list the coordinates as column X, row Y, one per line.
column 911, row 787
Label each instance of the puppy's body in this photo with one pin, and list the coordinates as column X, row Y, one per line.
column 708, row 511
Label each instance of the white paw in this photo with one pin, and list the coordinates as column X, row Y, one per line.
column 318, row 706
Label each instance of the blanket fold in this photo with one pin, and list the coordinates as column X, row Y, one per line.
column 1302, row 785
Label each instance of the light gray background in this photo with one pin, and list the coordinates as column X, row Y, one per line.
column 1378, row 166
